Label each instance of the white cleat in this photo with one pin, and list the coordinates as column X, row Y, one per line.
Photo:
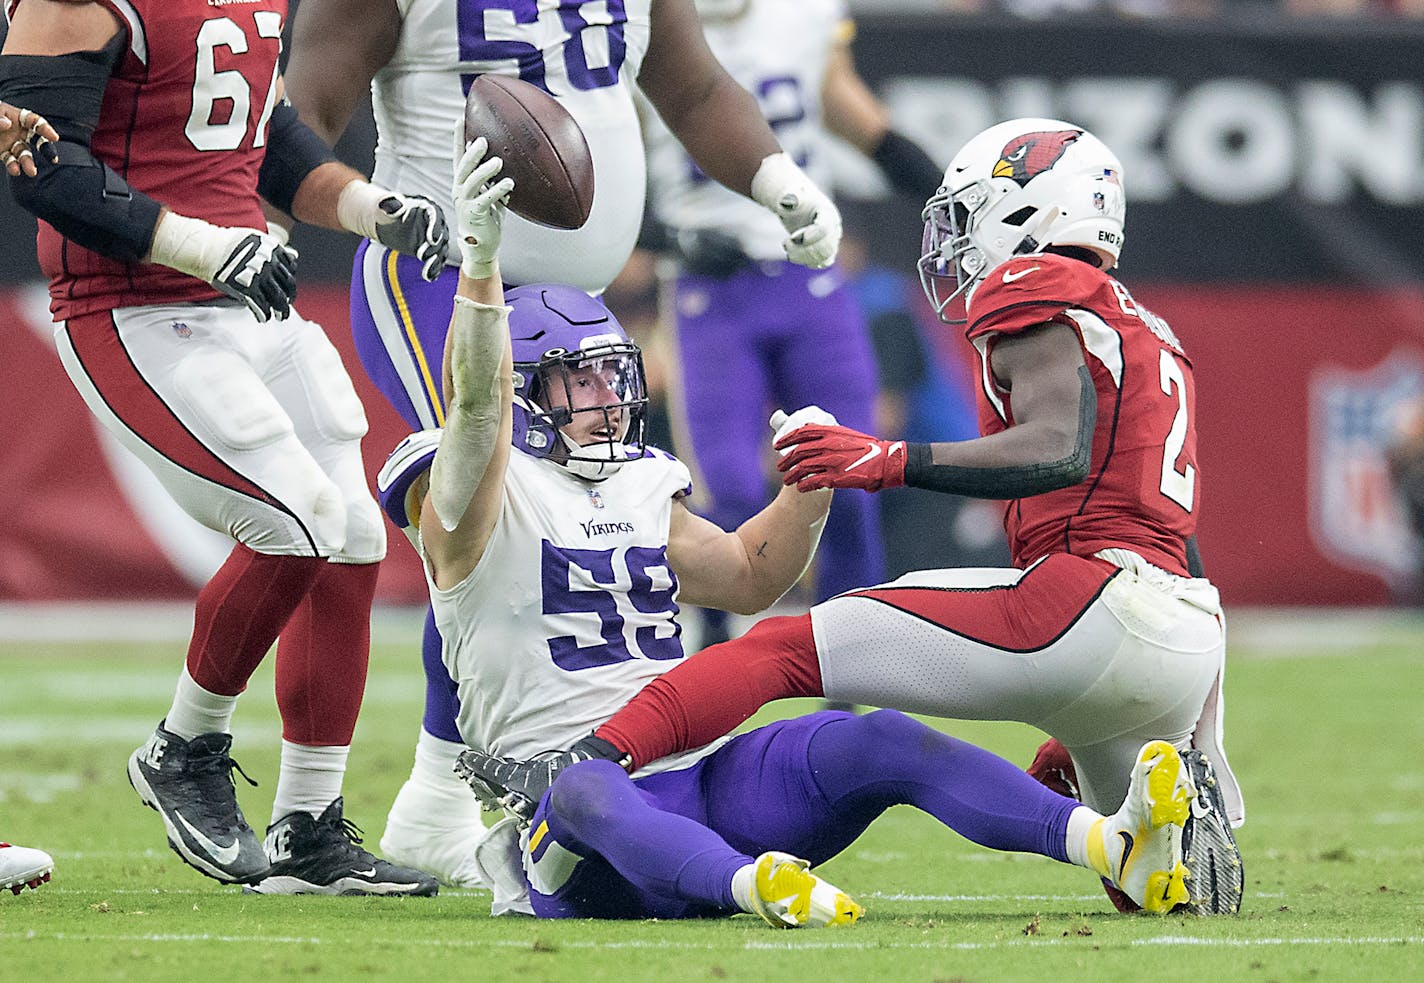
column 22, row 867
column 1142, row 841
column 787, row 895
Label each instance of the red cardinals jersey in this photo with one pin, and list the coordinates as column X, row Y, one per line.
column 184, row 120
column 1143, row 489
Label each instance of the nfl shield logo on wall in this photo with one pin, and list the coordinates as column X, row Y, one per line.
column 1355, row 517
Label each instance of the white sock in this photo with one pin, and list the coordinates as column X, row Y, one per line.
column 434, row 766
column 196, row 711
column 743, row 885
column 309, row 779
column 433, row 798
column 1082, row 824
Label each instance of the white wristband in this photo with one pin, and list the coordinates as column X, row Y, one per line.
column 777, row 175
column 188, row 245
column 358, row 207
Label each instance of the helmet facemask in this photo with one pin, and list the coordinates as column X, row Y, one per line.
column 599, row 391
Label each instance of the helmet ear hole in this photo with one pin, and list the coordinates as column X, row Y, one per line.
column 1018, row 218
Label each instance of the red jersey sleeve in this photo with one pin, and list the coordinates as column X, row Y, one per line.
column 1029, row 290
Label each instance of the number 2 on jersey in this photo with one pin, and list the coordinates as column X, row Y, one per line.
column 1176, row 485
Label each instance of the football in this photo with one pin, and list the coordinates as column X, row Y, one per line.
column 544, row 150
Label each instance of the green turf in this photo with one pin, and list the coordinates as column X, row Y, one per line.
column 1328, row 747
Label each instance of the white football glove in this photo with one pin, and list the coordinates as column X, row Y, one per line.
column 412, row 225
column 257, row 268
column 804, row 210
column 479, row 206
column 784, row 424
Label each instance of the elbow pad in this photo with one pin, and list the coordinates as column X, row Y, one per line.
column 90, row 205
column 293, row 151
column 85, row 200
column 1012, row 481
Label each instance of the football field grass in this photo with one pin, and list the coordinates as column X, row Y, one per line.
column 1325, row 727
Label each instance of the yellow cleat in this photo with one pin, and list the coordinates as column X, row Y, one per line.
column 787, row 895
column 1142, row 841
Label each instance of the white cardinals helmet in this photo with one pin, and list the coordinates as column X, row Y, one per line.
column 1020, row 187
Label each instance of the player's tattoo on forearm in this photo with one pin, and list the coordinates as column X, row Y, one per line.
column 761, row 550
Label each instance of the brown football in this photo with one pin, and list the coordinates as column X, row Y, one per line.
column 544, row 150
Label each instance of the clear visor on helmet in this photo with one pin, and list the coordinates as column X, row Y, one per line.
column 949, row 261
column 597, row 399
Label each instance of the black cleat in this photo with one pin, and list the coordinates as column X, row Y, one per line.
column 1217, row 878
column 190, row 785
column 322, row 856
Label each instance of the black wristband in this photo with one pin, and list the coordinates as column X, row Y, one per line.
column 910, row 170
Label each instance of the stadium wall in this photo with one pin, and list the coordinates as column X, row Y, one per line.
column 1276, row 173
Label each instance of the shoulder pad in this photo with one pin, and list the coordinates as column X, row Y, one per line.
column 411, row 458
column 1029, row 290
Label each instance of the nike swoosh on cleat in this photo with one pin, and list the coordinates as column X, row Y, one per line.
column 369, row 872
column 1011, row 275
column 222, row 854
column 1126, row 852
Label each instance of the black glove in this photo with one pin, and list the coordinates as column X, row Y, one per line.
column 261, row 272
column 414, row 226
column 519, row 785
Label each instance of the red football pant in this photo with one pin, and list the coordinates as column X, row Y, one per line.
column 705, row 697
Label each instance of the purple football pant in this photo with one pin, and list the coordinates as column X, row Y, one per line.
column 398, row 322
column 666, row 846
column 776, row 336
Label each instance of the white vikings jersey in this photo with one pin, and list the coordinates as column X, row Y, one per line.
column 586, row 54
column 571, row 610
column 778, row 51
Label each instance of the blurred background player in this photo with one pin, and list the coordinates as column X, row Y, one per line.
column 556, row 547
column 418, row 59
column 174, row 321
column 1104, row 634
column 747, row 321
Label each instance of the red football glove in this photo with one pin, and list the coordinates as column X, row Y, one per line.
column 817, row 456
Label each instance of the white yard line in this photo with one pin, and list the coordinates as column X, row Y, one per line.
column 152, row 622
column 755, row 945
column 1263, row 632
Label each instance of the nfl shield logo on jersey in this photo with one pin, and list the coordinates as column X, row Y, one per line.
column 182, row 330
column 595, row 499
column 1355, row 516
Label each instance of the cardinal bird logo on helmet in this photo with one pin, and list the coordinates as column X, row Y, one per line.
column 1027, row 156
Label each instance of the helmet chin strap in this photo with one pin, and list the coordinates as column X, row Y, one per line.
column 1037, row 237
column 593, row 470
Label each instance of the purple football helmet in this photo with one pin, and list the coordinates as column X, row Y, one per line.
column 559, row 335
